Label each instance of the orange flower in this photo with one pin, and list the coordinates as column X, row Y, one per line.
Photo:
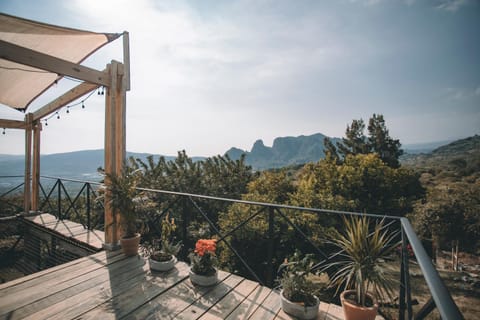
column 205, row 245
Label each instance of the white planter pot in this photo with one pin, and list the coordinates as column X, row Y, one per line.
column 204, row 281
column 298, row 310
column 162, row 265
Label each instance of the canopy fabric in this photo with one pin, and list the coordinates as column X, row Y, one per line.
column 20, row 84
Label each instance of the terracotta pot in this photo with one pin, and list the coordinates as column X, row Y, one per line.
column 162, row 265
column 204, row 281
column 299, row 310
column 130, row 245
column 353, row 311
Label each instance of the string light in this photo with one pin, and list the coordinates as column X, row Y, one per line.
column 57, row 114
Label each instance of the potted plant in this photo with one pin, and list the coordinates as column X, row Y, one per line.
column 298, row 291
column 162, row 252
column 125, row 199
column 203, row 259
column 360, row 271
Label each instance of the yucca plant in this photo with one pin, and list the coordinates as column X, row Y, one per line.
column 364, row 247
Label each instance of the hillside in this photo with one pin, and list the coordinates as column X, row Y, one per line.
column 458, row 161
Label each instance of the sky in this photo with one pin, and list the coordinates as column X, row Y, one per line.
column 209, row 75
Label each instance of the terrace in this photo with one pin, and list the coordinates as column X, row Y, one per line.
column 107, row 284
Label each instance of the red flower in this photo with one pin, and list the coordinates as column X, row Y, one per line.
column 205, row 245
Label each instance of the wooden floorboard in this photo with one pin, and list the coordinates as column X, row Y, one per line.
column 69, row 230
column 109, row 285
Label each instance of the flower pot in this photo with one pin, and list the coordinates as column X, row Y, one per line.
column 130, row 245
column 162, row 265
column 204, row 281
column 352, row 311
column 298, row 309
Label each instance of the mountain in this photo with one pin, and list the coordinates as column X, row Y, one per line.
column 285, row 151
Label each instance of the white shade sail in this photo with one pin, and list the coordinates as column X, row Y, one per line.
column 21, row 84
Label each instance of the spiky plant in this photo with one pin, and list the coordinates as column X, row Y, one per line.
column 361, row 267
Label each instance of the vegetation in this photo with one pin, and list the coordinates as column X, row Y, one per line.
column 361, row 266
column 378, row 142
column 125, row 198
column 295, row 282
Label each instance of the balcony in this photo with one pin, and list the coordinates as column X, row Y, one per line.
column 110, row 285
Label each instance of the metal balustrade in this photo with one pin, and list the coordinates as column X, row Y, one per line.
column 58, row 198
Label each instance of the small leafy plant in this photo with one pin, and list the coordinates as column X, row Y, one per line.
column 203, row 259
column 164, row 248
column 297, row 287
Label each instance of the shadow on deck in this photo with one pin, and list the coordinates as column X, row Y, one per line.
column 109, row 285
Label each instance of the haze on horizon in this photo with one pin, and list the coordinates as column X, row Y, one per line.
column 209, row 75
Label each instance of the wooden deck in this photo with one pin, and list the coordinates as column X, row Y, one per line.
column 108, row 285
column 72, row 231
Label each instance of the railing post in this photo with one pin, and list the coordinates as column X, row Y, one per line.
column 271, row 244
column 405, row 290
column 89, row 227
column 59, row 200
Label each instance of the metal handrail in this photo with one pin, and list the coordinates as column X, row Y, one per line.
column 443, row 300
column 440, row 295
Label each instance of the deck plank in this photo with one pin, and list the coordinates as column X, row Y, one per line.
column 205, row 302
column 173, row 301
column 250, row 304
column 231, row 301
column 69, row 229
column 129, row 300
column 269, row 308
column 40, row 297
column 112, row 286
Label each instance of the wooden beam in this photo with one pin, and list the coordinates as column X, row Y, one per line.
column 37, row 129
column 126, row 59
column 28, row 57
column 64, row 99
column 12, row 124
column 28, row 161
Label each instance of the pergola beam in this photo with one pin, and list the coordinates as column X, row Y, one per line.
column 12, row 124
column 53, row 64
column 64, row 99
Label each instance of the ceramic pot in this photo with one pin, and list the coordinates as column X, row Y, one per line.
column 162, row 265
column 353, row 311
column 204, row 281
column 298, row 309
column 130, row 245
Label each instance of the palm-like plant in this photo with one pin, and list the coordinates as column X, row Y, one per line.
column 125, row 198
column 362, row 262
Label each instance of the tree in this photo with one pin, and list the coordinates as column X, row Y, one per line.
column 381, row 143
column 362, row 183
column 378, row 141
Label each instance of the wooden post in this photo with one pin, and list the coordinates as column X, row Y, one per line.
column 37, row 129
column 28, row 162
column 115, row 141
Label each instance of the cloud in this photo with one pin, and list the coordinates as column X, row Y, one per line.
column 462, row 93
column 451, row 5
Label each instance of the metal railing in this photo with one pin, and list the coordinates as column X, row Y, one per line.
column 70, row 199
column 273, row 214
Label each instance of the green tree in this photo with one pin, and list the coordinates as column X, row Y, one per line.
column 378, row 141
column 362, row 183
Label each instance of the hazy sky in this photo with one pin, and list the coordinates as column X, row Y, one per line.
column 209, row 75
